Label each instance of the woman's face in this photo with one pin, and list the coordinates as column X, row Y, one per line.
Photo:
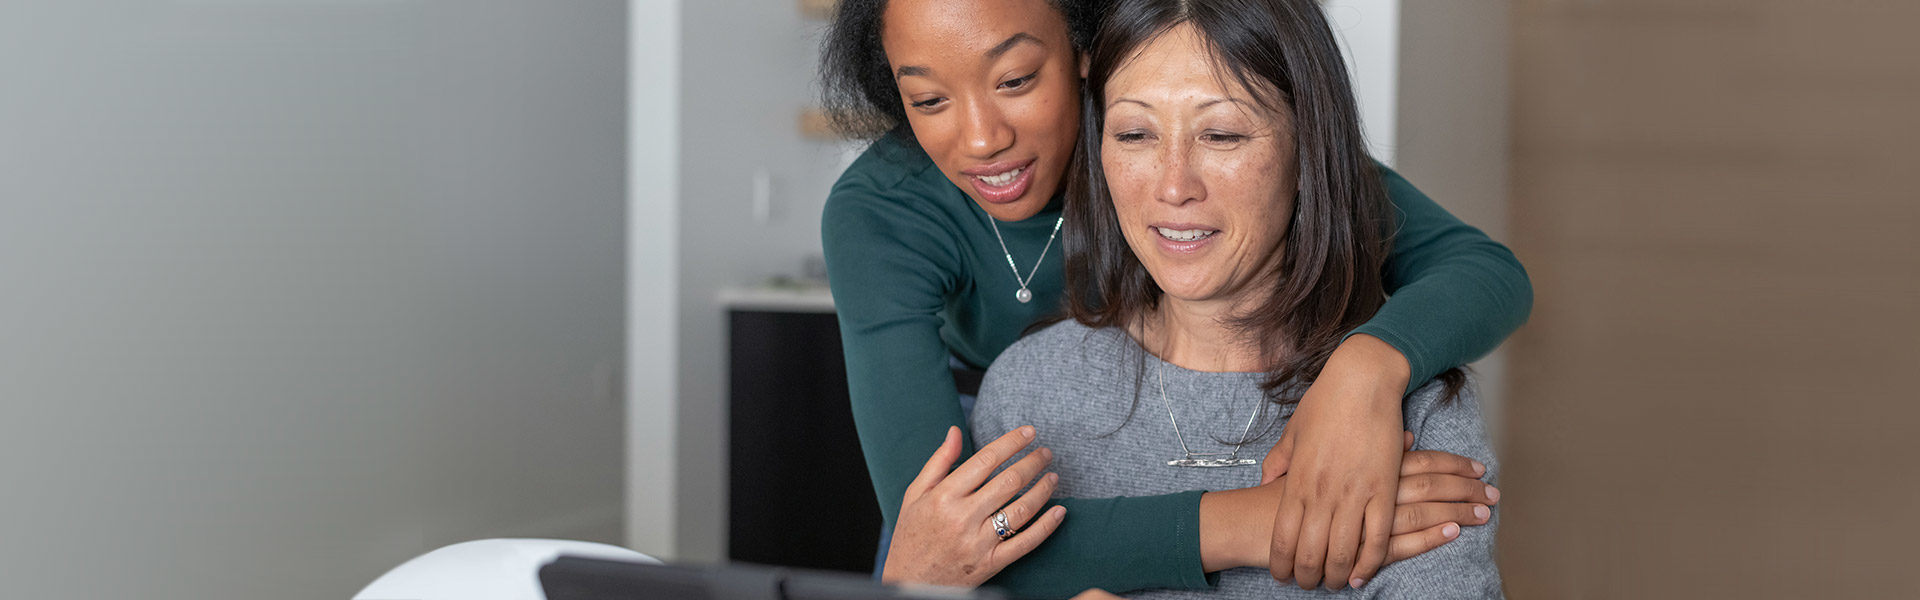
column 992, row 91
column 1202, row 175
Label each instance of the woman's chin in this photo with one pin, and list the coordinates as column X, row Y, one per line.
column 1019, row 210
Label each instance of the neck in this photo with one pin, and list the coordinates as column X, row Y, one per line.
column 1199, row 335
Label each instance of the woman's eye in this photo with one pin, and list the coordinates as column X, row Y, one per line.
column 1014, row 84
column 1127, row 137
column 928, row 103
column 1221, row 137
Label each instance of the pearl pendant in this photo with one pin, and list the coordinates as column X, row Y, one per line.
column 1023, row 296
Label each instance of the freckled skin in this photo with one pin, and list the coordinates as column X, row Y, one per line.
column 1183, row 160
column 976, row 109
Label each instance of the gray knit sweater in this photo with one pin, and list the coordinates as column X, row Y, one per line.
column 1094, row 395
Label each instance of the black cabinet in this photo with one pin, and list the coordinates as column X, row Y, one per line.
column 799, row 494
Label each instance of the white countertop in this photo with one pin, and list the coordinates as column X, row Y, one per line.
column 801, row 299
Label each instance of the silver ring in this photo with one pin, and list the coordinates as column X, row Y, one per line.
column 1000, row 526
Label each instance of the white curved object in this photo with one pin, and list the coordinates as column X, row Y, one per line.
column 496, row 569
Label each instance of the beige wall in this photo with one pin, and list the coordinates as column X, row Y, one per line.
column 1716, row 200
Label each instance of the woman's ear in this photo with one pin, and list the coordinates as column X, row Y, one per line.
column 1086, row 65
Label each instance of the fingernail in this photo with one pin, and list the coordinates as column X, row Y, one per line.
column 1026, row 431
column 1479, row 469
column 1451, row 531
column 1493, row 494
column 1356, row 582
column 1053, row 477
column 1482, row 512
column 1046, row 453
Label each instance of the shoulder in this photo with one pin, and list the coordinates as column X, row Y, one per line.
column 1431, row 401
column 892, row 196
column 890, row 172
column 1063, row 354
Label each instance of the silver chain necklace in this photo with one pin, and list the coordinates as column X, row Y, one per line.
column 1024, row 295
column 1203, row 459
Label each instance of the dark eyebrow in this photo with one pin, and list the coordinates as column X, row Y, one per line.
column 1017, row 39
column 1202, row 106
column 992, row 53
column 1242, row 103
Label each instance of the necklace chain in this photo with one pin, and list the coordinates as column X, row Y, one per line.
column 1024, row 295
column 1232, row 460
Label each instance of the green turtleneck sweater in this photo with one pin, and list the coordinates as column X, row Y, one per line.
column 918, row 276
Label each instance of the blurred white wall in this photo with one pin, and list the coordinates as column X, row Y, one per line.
column 293, row 290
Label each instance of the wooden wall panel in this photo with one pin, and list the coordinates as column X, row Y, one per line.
column 1717, row 201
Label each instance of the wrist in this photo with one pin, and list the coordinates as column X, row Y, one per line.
column 1370, row 366
column 1236, row 526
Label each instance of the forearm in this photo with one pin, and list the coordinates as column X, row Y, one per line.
column 1116, row 544
column 1455, row 293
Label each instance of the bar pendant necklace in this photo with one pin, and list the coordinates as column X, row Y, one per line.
column 1203, row 460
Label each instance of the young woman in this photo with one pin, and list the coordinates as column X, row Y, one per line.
column 1220, row 252
column 940, row 249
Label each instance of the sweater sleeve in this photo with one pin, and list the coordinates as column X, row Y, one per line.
column 889, row 279
column 890, row 276
column 1455, row 294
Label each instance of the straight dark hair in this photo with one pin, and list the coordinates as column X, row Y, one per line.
column 1335, row 250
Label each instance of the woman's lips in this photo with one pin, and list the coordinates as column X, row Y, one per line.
column 1001, row 183
column 1183, row 238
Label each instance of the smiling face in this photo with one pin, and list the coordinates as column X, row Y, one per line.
column 992, row 91
column 1202, row 175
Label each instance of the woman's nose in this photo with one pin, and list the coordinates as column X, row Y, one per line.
column 1179, row 182
column 986, row 131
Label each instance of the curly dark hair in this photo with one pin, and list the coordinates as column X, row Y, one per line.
column 857, row 87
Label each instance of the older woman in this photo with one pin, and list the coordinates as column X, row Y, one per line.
column 1226, row 240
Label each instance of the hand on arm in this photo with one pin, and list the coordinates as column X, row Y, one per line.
column 1437, row 494
column 945, row 535
column 1341, row 454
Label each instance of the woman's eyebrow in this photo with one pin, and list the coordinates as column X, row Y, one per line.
column 992, row 53
column 1014, row 40
column 1202, row 106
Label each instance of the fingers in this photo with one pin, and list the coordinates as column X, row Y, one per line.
column 1434, row 461
column 975, row 471
column 1408, row 518
column 1021, row 543
column 1406, row 441
column 998, row 492
column 1310, row 552
column 1343, row 544
column 1409, row 545
column 1431, row 487
column 937, row 465
column 1286, row 535
column 1030, row 503
column 1374, row 541
column 1278, row 459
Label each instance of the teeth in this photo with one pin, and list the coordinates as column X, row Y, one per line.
column 1003, row 178
column 1184, row 235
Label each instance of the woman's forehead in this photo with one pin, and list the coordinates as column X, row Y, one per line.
column 1177, row 64
column 968, row 26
